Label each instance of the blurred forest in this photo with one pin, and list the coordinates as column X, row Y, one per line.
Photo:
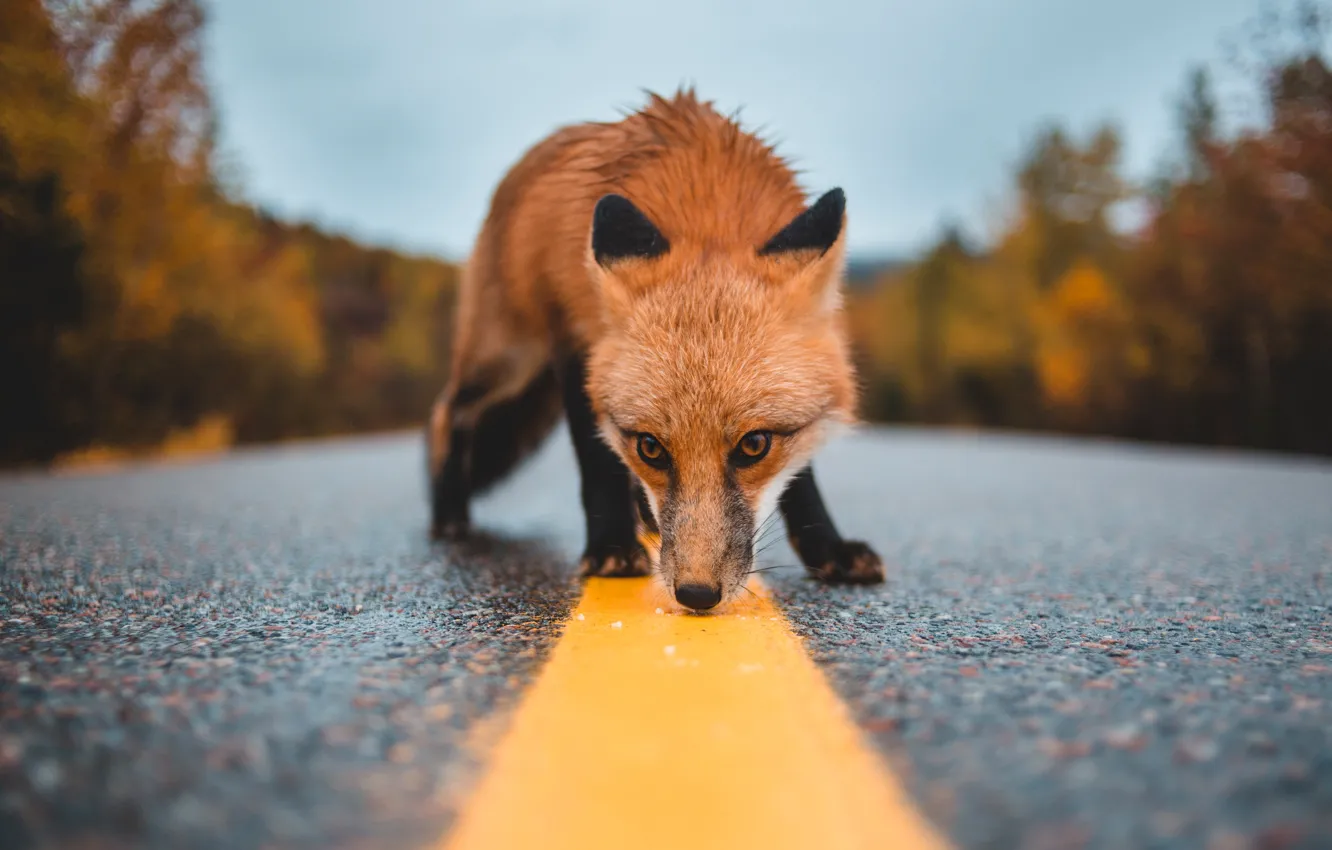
column 141, row 304
column 1209, row 324
column 145, row 305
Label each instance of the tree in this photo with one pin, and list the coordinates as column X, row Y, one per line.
column 139, row 298
column 1197, row 115
column 1066, row 191
column 143, row 60
column 1234, row 279
column 41, row 300
column 934, row 282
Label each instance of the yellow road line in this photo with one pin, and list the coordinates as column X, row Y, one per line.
column 649, row 730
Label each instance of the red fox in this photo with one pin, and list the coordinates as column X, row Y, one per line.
column 661, row 282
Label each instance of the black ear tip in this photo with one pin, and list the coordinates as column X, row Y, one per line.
column 610, row 206
column 620, row 230
column 831, row 204
column 817, row 228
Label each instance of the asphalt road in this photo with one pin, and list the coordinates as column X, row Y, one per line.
column 1079, row 644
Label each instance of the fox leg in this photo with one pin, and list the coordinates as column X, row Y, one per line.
column 826, row 554
column 613, row 547
column 482, row 427
column 450, row 460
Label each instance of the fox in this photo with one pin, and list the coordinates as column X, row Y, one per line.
column 662, row 283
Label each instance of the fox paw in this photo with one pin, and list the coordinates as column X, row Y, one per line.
column 607, row 562
column 852, row 562
column 450, row 531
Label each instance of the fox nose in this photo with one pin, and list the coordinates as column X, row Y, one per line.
column 700, row 597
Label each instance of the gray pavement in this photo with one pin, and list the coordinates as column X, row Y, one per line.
column 1089, row 645
column 1079, row 644
column 257, row 652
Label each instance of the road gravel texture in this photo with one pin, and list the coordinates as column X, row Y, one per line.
column 1079, row 645
column 262, row 651
column 1088, row 645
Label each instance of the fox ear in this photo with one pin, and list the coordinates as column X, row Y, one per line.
column 620, row 231
column 811, row 251
column 815, row 229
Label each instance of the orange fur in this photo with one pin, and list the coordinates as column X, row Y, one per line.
column 697, row 347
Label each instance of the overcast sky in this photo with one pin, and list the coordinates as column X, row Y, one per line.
column 393, row 119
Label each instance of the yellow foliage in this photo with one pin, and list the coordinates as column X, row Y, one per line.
column 263, row 298
column 148, row 306
column 979, row 327
column 1083, row 291
column 1079, row 332
column 411, row 340
column 212, row 435
column 1063, row 373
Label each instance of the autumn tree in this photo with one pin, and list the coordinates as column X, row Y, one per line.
column 42, row 299
column 191, row 305
column 934, row 284
column 1198, row 120
column 1235, row 274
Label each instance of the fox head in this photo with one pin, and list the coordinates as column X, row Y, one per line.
column 718, row 374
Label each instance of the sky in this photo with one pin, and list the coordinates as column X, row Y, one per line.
column 393, row 120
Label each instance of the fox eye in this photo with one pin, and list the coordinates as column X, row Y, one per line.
column 752, row 448
column 653, row 452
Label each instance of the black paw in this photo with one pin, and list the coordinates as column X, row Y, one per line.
column 615, row 562
column 851, row 562
column 451, row 531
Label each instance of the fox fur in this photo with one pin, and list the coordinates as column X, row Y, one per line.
column 664, row 278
